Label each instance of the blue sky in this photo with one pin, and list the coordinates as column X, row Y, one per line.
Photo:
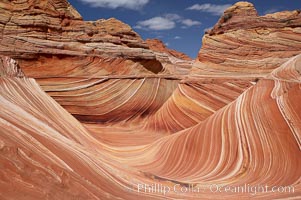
column 180, row 24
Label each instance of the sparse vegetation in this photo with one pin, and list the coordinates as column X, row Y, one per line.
column 226, row 17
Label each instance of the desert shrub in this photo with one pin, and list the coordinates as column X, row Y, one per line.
column 227, row 16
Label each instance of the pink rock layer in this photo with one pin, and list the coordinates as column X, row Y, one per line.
column 74, row 59
column 245, row 44
column 159, row 46
column 47, row 153
column 118, row 114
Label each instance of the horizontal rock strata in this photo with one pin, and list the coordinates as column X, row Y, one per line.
column 245, row 44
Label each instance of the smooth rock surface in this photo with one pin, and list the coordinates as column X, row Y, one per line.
column 88, row 110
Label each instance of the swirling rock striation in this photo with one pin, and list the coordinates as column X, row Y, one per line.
column 73, row 59
column 245, row 44
column 51, row 28
column 95, row 125
column 47, row 153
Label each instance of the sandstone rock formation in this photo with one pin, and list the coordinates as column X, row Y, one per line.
column 158, row 45
column 53, row 28
column 40, row 139
column 66, row 54
column 88, row 110
column 9, row 68
column 245, row 44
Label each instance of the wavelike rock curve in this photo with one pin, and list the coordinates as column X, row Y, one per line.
column 91, row 112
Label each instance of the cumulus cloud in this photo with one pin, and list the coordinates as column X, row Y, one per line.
column 165, row 22
column 156, row 23
column 189, row 22
column 172, row 16
column 177, row 37
column 210, row 8
column 113, row 4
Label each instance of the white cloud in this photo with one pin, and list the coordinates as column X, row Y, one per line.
column 172, row 16
column 165, row 22
column 210, row 8
column 113, row 4
column 167, row 44
column 177, row 37
column 189, row 22
column 156, row 23
column 208, row 29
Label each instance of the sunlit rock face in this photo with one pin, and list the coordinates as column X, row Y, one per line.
column 158, row 45
column 245, row 44
column 47, row 153
column 88, row 110
column 81, row 62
